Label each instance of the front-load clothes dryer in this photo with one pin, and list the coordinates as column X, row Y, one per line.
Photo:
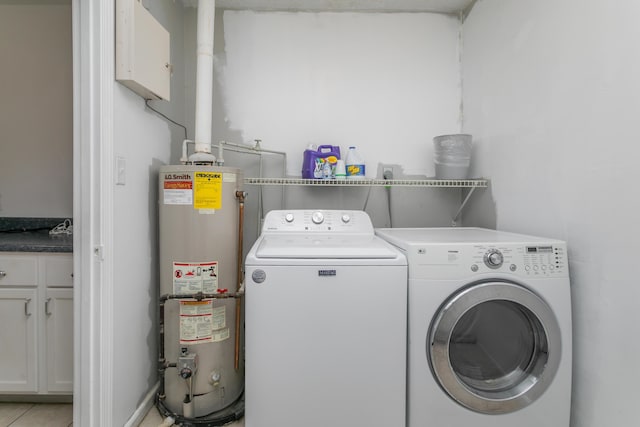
column 325, row 323
column 489, row 339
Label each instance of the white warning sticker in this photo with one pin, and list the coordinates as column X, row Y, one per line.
column 178, row 192
column 196, row 322
column 220, row 335
column 219, row 317
column 193, row 277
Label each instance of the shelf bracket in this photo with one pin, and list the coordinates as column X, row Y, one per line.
column 454, row 221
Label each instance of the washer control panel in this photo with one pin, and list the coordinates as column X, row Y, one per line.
column 317, row 221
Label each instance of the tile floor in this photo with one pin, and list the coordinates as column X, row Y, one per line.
column 36, row 414
column 61, row 415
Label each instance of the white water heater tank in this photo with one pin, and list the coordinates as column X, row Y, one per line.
column 200, row 219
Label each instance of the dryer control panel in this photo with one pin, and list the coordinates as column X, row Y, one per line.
column 540, row 260
column 452, row 253
column 317, row 221
column 528, row 260
column 446, row 261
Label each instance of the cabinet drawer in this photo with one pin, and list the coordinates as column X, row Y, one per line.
column 58, row 271
column 18, row 270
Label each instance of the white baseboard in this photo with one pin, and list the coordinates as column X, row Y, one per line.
column 143, row 408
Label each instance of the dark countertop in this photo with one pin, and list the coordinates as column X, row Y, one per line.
column 35, row 241
column 32, row 235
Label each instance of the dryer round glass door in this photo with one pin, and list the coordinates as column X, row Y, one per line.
column 494, row 347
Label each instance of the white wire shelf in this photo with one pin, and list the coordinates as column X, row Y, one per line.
column 441, row 183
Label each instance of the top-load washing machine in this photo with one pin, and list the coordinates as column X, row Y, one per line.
column 489, row 339
column 325, row 323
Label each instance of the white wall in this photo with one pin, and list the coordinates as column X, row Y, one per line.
column 144, row 140
column 551, row 95
column 386, row 83
column 36, row 125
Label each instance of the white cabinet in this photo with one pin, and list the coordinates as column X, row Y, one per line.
column 36, row 323
column 18, row 335
column 59, row 339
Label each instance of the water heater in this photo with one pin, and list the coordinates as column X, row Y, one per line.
column 201, row 362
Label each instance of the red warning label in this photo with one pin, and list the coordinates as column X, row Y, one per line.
column 178, row 185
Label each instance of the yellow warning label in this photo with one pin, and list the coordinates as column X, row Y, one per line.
column 207, row 192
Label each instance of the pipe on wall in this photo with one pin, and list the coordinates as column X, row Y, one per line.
column 204, row 79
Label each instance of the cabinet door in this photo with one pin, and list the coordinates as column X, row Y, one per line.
column 18, row 351
column 59, row 320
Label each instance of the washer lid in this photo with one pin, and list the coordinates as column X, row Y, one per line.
column 323, row 246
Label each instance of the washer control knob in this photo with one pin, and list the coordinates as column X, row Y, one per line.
column 317, row 217
column 288, row 217
column 493, row 258
column 346, row 218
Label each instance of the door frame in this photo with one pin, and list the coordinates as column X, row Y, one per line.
column 93, row 145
